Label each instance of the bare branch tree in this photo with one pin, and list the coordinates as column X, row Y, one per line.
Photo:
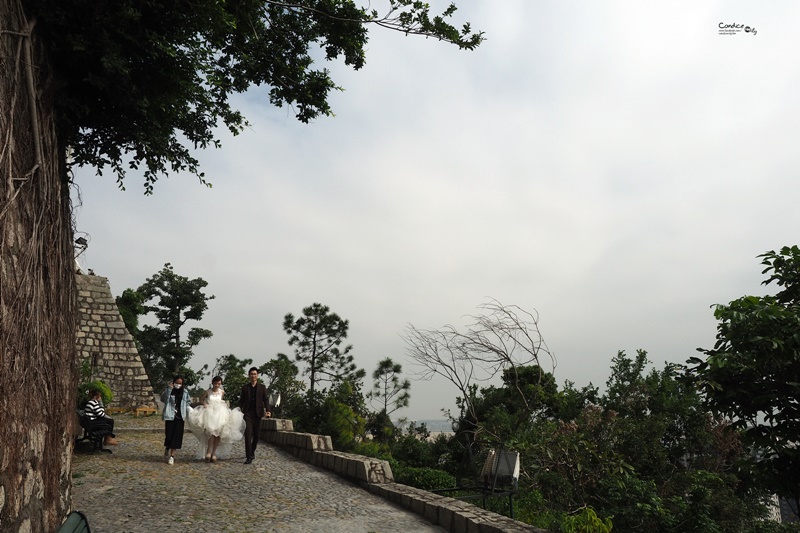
column 506, row 337
column 501, row 338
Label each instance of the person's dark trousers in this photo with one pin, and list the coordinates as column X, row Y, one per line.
column 104, row 420
column 252, row 424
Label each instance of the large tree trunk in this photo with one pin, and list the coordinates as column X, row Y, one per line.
column 37, row 290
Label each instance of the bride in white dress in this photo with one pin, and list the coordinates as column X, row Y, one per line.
column 215, row 425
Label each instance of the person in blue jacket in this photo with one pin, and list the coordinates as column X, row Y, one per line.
column 176, row 411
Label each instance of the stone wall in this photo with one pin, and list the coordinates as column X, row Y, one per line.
column 375, row 475
column 105, row 342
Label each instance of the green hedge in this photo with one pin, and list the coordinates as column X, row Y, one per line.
column 85, row 387
column 422, row 478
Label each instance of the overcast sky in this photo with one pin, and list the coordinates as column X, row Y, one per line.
column 616, row 166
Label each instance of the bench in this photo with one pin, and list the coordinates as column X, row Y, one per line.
column 144, row 410
column 95, row 431
column 76, row 522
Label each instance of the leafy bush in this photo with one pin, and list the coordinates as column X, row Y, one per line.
column 86, row 386
column 585, row 521
column 636, row 504
column 770, row 526
column 413, row 451
column 371, row 449
column 533, row 509
column 422, row 478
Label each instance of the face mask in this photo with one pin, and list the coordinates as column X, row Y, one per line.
column 177, row 385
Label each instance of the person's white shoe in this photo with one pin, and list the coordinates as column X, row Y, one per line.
column 171, row 460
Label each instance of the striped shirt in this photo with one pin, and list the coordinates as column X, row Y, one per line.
column 94, row 409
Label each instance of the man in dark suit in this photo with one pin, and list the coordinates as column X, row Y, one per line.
column 254, row 404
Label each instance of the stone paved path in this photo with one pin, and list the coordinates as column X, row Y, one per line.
column 133, row 490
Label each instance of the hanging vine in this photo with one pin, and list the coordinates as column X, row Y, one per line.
column 37, row 288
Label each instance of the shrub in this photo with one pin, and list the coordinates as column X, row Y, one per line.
column 533, row 508
column 422, row 478
column 585, row 521
column 371, row 449
column 86, row 386
column 770, row 526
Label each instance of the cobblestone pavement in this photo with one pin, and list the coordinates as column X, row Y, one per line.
column 134, row 490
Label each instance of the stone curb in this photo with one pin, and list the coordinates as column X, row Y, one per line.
column 375, row 475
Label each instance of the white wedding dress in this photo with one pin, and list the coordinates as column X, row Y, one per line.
column 219, row 421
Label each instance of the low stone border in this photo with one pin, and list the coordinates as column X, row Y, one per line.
column 375, row 475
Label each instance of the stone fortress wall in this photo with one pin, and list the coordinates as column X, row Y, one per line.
column 375, row 475
column 104, row 341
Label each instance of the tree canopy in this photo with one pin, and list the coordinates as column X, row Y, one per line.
column 752, row 374
column 280, row 377
column 317, row 338
column 174, row 300
column 141, row 83
column 645, row 456
column 388, row 390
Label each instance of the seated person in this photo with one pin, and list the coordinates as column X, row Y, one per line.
column 96, row 412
